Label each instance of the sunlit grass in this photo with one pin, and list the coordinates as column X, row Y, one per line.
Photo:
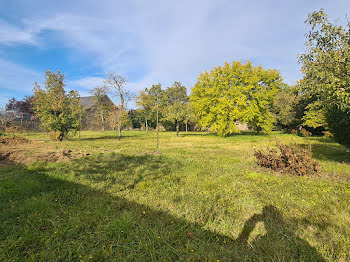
column 194, row 201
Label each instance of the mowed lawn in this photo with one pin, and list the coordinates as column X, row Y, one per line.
column 202, row 199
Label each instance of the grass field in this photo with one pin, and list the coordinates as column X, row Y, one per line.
column 202, row 199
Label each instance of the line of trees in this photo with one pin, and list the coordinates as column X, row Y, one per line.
column 223, row 98
column 173, row 105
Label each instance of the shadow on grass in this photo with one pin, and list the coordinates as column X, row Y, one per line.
column 135, row 134
column 332, row 152
column 50, row 219
column 243, row 133
column 118, row 171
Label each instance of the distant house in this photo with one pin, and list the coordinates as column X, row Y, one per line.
column 88, row 102
column 92, row 120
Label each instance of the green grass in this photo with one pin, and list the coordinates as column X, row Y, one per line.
column 202, row 199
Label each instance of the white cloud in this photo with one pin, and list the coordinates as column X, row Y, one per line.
column 169, row 41
column 85, row 84
column 10, row 35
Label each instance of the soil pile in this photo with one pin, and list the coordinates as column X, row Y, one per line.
column 10, row 141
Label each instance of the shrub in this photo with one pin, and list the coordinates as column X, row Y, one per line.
column 339, row 125
column 294, row 131
column 327, row 134
column 304, row 133
column 290, row 159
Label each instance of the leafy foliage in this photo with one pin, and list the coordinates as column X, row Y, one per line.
column 286, row 108
column 339, row 123
column 315, row 115
column 136, row 117
column 20, row 106
column 236, row 93
column 325, row 65
column 58, row 110
column 147, row 100
column 175, row 101
column 190, row 116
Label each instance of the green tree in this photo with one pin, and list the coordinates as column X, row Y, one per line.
column 189, row 115
column 339, row 123
column 136, row 117
column 288, row 107
column 325, row 66
column 236, row 93
column 58, row 110
column 102, row 103
column 315, row 115
column 175, row 104
column 146, row 101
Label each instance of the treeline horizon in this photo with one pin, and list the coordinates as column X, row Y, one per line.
column 227, row 95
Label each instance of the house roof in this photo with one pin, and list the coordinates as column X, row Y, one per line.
column 88, row 101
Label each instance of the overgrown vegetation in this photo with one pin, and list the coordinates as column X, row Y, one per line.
column 325, row 66
column 290, row 159
column 59, row 111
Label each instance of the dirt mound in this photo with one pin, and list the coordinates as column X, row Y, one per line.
column 19, row 150
column 13, row 140
column 3, row 156
column 33, row 152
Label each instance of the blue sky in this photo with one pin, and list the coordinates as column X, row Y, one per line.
column 148, row 41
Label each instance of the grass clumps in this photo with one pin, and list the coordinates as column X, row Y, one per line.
column 292, row 159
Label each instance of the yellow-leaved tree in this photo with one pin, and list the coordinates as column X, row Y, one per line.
column 236, row 93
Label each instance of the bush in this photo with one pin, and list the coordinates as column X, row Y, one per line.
column 290, row 159
column 339, row 125
column 327, row 134
column 304, row 133
column 294, row 131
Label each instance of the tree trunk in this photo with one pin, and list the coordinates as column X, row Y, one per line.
column 103, row 122
column 177, row 128
column 146, row 126
column 186, row 126
column 119, row 131
column 60, row 137
column 157, row 131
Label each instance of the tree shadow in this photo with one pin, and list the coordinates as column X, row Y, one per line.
column 252, row 133
column 119, row 171
column 51, row 219
column 243, row 133
column 107, row 137
column 97, row 138
column 135, row 134
column 197, row 133
column 332, row 152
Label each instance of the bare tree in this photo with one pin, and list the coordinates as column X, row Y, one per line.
column 117, row 83
column 5, row 119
